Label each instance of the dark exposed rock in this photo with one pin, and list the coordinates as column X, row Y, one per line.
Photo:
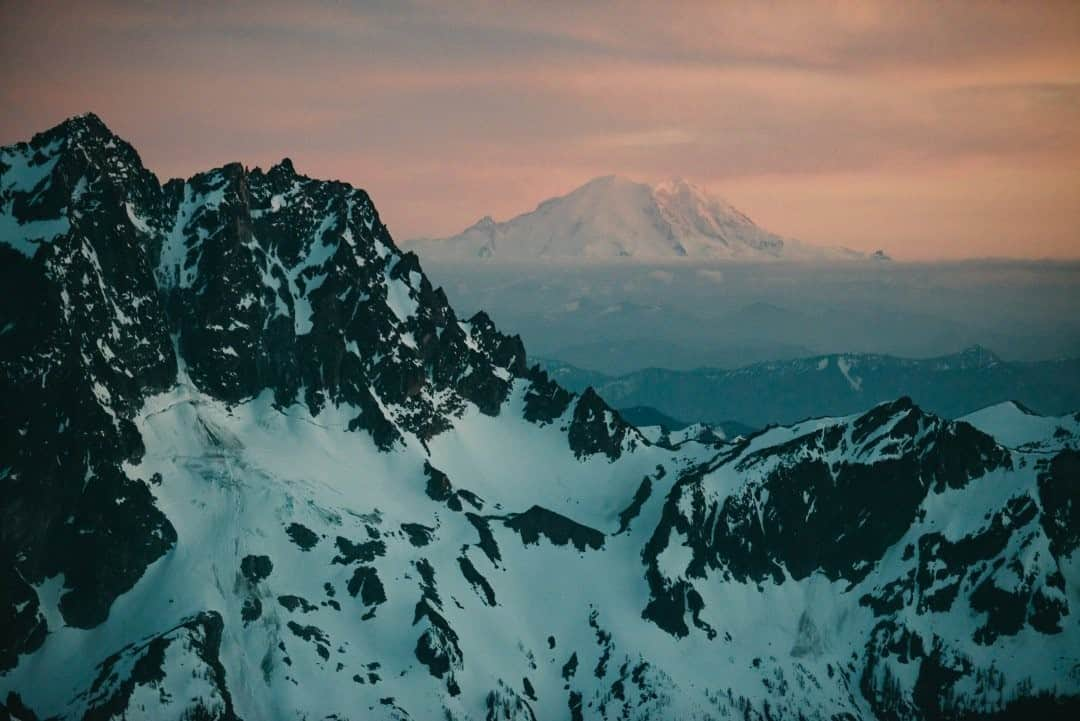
column 506, row 351
column 439, row 488
column 291, row 603
column 487, row 541
column 365, row 582
column 22, row 625
column 560, row 530
column 1059, row 491
column 570, row 667
column 251, row 610
column 437, row 647
column 13, row 709
column 603, row 640
column 486, row 389
column 314, row 635
column 476, row 579
column 131, row 539
column 1047, row 612
column 256, row 568
column 419, row 535
column 365, row 552
column 302, row 536
column 574, row 703
column 597, row 428
column 631, row 512
column 546, row 400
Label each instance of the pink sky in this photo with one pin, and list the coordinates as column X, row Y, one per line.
column 929, row 129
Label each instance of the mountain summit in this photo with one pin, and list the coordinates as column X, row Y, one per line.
column 612, row 217
column 253, row 466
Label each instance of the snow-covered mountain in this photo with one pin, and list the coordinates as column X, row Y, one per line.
column 1015, row 425
column 613, row 217
column 255, row 467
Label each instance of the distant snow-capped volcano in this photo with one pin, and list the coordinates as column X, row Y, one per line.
column 612, row 217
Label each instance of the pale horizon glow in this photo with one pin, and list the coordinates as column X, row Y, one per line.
column 932, row 130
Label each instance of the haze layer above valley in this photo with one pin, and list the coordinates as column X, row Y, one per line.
column 622, row 317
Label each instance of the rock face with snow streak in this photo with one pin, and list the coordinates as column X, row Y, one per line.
column 253, row 466
column 613, row 217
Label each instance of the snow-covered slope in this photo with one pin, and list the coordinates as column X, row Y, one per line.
column 612, row 217
column 255, row 467
column 1017, row 426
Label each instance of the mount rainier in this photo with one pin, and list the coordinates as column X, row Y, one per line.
column 255, row 467
column 613, row 217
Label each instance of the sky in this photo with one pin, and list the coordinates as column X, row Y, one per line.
column 932, row 130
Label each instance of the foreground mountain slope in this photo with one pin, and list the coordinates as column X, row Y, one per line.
column 836, row 384
column 613, row 217
column 255, row 467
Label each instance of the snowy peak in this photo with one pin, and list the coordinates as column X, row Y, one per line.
column 684, row 201
column 48, row 184
column 614, row 217
column 1015, row 425
column 485, row 223
column 708, row 223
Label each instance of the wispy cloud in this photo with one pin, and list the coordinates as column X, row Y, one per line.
column 659, row 137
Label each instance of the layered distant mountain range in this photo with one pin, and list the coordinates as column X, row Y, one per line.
column 837, row 384
column 254, row 466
